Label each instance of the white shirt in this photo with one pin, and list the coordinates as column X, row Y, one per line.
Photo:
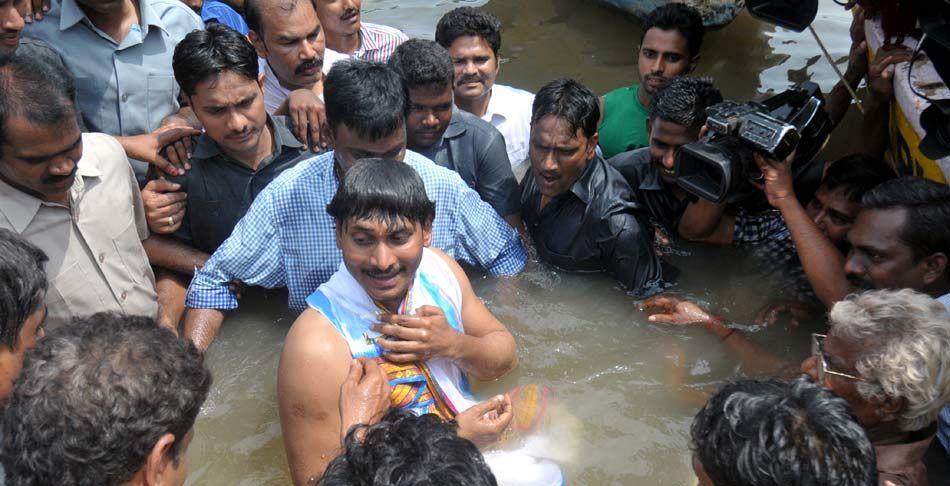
column 509, row 110
column 275, row 94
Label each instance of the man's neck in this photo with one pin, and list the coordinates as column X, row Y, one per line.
column 643, row 97
column 886, row 434
column 116, row 24
column 476, row 106
column 344, row 44
column 265, row 147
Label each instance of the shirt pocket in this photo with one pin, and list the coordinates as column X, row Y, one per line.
column 70, row 293
column 130, row 252
column 162, row 99
column 90, row 102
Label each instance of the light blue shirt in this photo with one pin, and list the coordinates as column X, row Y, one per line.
column 287, row 238
column 123, row 88
column 215, row 11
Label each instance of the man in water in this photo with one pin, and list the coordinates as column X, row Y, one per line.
column 473, row 38
column 450, row 137
column 287, row 238
column 579, row 211
column 349, row 36
column 398, row 302
column 669, row 46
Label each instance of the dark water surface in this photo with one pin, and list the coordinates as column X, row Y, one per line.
column 618, row 375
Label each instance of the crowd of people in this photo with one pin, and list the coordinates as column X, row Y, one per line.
column 159, row 158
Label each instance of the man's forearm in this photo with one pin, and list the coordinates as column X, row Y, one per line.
column 488, row 357
column 706, row 221
column 173, row 255
column 202, row 325
column 821, row 260
column 752, row 356
column 839, row 98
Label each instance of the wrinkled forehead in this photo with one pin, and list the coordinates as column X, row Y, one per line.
column 287, row 17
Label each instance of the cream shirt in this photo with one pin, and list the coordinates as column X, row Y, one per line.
column 96, row 260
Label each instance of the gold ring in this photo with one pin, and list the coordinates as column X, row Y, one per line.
column 171, row 221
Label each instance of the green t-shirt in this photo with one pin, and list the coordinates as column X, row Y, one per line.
column 625, row 122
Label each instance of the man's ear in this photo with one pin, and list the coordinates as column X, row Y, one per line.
column 889, row 409
column 427, row 235
column 339, row 236
column 258, row 44
column 935, row 268
column 592, row 145
column 159, row 460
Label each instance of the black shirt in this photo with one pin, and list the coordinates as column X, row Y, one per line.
column 644, row 177
column 221, row 189
column 597, row 225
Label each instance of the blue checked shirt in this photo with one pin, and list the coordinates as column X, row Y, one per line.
column 287, row 239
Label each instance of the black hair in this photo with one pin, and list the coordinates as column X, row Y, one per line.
column 570, row 101
column 254, row 12
column 369, row 98
column 22, row 284
column 41, row 92
column 768, row 433
column 382, row 189
column 679, row 17
column 927, row 229
column 423, row 63
column 205, row 54
column 857, row 174
column 683, row 100
column 95, row 396
column 408, row 450
column 469, row 22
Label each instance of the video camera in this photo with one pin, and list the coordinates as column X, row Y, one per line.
column 720, row 165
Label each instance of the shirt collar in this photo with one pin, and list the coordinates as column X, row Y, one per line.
column 20, row 208
column 581, row 187
column 207, row 148
column 456, row 125
column 367, row 39
column 71, row 14
column 651, row 179
column 496, row 103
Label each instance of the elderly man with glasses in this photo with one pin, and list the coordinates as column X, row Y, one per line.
column 888, row 354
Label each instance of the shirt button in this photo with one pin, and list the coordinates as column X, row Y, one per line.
column 124, row 295
column 125, row 97
column 102, row 257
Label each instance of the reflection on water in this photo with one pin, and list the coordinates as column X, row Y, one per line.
column 578, row 334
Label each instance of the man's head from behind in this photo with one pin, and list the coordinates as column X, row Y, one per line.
column 366, row 111
column 288, row 34
column 901, row 237
column 426, row 70
column 768, row 433
column 669, row 46
column 563, row 135
column 11, row 24
column 217, row 71
column 837, row 201
column 406, row 449
column 677, row 116
column 108, row 399
column 40, row 140
column 473, row 38
column 22, row 307
column 383, row 220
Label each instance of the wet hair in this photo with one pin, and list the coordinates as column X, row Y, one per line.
column 683, row 100
column 407, row 450
column 367, row 97
column 904, row 350
column 927, row 203
column 206, row 54
column 22, row 284
column 469, row 22
column 382, row 189
column 679, row 17
column 765, row 433
column 95, row 396
column 423, row 63
column 38, row 91
column 570, row 101
column 254, row 11
column 857, row 174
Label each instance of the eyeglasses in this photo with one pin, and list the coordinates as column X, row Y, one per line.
column 818, row 350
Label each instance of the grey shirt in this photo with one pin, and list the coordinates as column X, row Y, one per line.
column 476, row 150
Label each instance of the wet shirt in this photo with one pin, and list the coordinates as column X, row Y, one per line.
column 597, row 225
column 287, row 239
column 642, row 175
column 96, row 260
column 476, row 151
column 220, row 189
column 624, row 126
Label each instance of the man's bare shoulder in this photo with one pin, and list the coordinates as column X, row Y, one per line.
column 313, row 341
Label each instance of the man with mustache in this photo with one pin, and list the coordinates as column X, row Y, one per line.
column 349, row 36
column 75, row 197
column 579, row 211
column 473, row 38
column 669, row 46
column 450, row 137
column 286, row 239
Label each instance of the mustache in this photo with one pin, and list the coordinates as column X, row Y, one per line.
column 315, row 63
column 469, row 79
column 348, row 13
column 860, row 283
column 383, row 273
